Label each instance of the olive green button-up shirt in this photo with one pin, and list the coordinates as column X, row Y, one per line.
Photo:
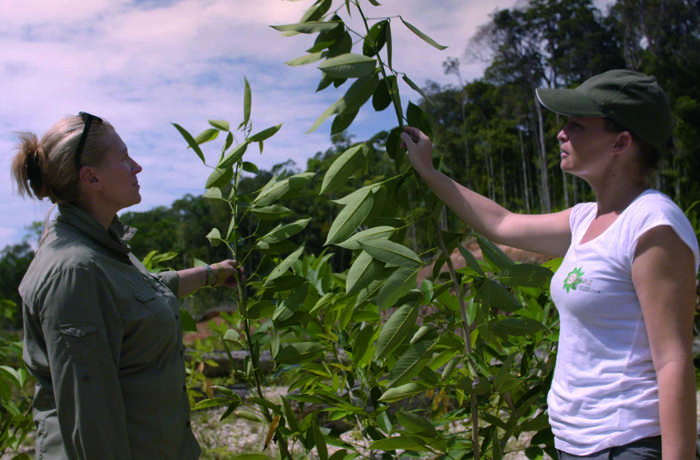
column 104, row 341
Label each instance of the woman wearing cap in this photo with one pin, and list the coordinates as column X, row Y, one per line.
column 624, row 384
column 102, row 335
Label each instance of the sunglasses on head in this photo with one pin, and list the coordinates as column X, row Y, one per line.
column 87, row 121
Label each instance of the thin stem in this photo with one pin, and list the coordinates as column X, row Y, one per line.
column 467, row 338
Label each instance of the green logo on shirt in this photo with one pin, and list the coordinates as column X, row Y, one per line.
column 573, row 279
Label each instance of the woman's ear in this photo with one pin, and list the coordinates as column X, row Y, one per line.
column 88, row 178
column 623, row 141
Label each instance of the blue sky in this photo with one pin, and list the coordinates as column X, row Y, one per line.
column 143, row 64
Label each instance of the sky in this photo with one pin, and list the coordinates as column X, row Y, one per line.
column 144, row 64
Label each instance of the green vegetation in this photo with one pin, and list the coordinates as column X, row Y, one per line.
column 350, row 287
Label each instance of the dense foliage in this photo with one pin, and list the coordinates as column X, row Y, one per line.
column 332, row 254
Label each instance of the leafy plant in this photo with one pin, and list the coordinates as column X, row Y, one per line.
column 473, row 343
column 16, row 386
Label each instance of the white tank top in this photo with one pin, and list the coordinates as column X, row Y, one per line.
column 604, row 391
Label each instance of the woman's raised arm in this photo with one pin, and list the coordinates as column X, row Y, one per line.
column 543, row 233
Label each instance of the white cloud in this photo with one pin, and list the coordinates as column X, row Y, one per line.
column 143, row 64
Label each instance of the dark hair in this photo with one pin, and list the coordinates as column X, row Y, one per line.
column 45, row 168
column 649, row 157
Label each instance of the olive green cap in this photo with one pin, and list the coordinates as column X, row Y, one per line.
column 632, row 99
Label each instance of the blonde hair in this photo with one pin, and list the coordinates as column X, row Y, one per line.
column 45, row 168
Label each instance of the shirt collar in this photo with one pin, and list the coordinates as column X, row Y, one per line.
column 116, row 237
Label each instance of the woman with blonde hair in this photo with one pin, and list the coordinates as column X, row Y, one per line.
column 102, row 335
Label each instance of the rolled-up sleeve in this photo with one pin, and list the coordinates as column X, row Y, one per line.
column 82, row 328
column 170, row 279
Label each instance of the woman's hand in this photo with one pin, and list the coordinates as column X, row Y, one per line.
column 227, row 273
column 420, row 149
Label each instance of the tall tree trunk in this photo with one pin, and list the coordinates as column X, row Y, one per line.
column 544, row 180
column 503, row 177
column 526, row 185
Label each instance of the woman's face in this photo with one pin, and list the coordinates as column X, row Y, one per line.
column 585, row 147
column 117, row 174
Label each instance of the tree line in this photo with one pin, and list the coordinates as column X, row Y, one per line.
column 490, row 133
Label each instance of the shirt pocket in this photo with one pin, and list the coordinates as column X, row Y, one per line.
column 157, row 304
column 78, row 336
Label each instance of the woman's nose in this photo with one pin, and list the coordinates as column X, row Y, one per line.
column 562, row 137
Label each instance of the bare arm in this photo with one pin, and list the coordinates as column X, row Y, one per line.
column 663, row 273
column 225, row 273
column 543, row 233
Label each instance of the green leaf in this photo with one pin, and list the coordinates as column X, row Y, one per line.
column 289, row 415
column 416, row 424
column 363, row 271
column 398, row 284
column 410, row 363
column 220, row 178
column 213, row 194
column 400, row 442
column 298, row 181
column 353, row 243
column 305, row 59
column 493, row 295
column 416, row 117
column 247, row 97
column 395, row 330
column 234, row 156
column 310, row 27
column 526, row 275
column 519, row 326
column 358, row 93
column 352, row 216
column 375, row 39
column 211, row 402
column 381, row 99
column 536, row 424
column 343, row 166
column 422, row 36
column 276, row 211
column 393, row 145
column 188, row 323
column 285, row 265
column 265, row 133
column 207, row 135
column 261, row 309
column 316, row 11
column 320, row 441
column 342, row 121
column 393, row 395
column 361, row 347
column 221, row 125
column 299, row 352
column 284, row 231
column 470, row 260
column 271, row 192
column 391, row 253
column 190, row 141
column 214, row 237
column 493, row 254
column 228, row 143
column 250, row 167
column 348, row 65
column 417, row 88
column 388, row 44
column 342, row 45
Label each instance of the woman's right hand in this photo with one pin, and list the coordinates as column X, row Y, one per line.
column 420, row 149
